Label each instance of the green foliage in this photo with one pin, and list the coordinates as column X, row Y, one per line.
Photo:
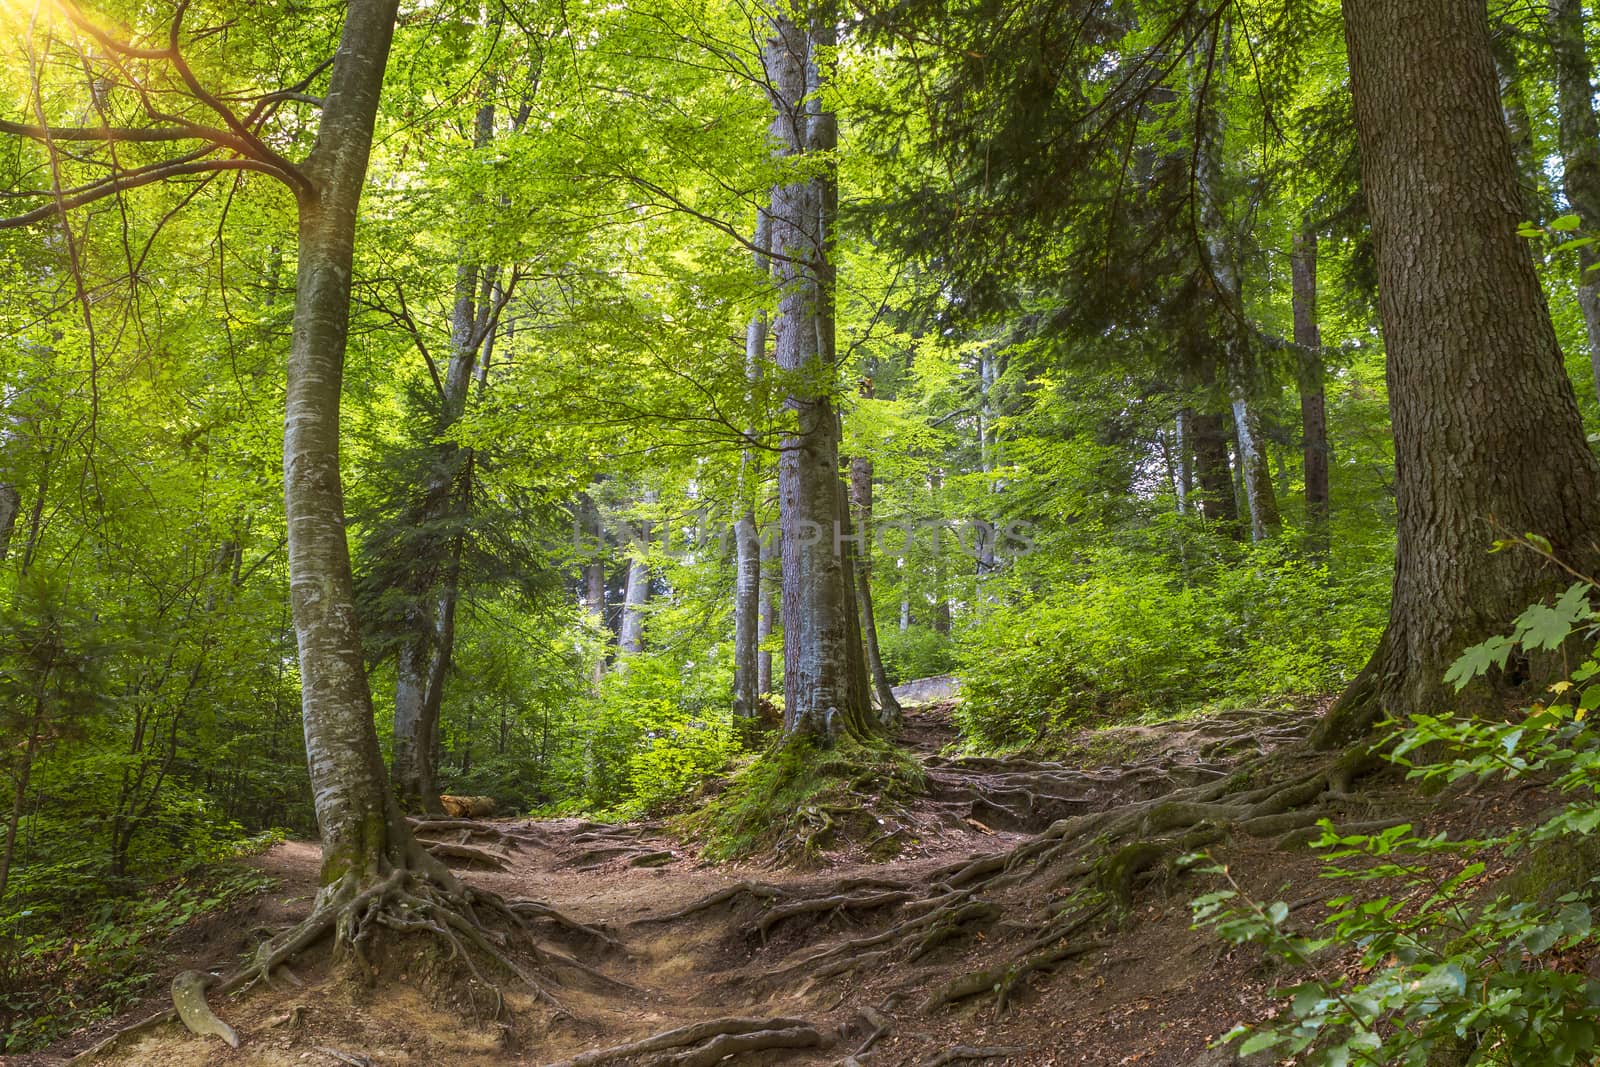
column 1443, row 965
column 916, row 652
column 100, row 963
column 797, row 798
column 1127, row 639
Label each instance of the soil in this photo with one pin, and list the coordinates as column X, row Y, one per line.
column 1147, row 990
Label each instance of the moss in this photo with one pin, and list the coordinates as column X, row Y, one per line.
column 799, row 800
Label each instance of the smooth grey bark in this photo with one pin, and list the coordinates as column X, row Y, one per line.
column 1486, row 426
column 747, row 535
column 1315, row 454
column 630, row 638
column 1222, row 262
column 825, row 684
column 10, row 508
column 1579, row 136
column 592, row 541
column 1183, row 457
column 861, row 496
column 767, row 618
column 361, row 828
column 1514, row 108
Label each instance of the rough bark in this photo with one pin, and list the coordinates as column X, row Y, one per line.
column 1580, row 155
column 825, row 685
column 747, row 535
column 362, row 831
column 1313, row 394
column 1486, row 426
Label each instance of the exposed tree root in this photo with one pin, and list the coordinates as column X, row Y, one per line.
column 966, row 1053
column 838, row 902
column 702, row 1034
column 465, row 855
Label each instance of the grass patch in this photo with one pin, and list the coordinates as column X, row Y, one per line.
column 797, row 800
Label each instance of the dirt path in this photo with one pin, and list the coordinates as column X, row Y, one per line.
column 886, row 963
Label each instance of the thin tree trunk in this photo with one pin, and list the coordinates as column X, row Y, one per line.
column 1183, row 449
column 592, row 538
column 362, row 831
column 1514, row 108
column 767, row 620
column 1580, row 155
column 630, row 639
column 1313, row 398
column 825, row 684
column 747, row 568
column 1223, row 266
column 10, row 508
column 1214, row 475
column 1486, row 427
column 861, row 492
column 423, row 663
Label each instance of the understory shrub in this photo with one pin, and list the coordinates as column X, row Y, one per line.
column 1451, row 967
column 1123, row 639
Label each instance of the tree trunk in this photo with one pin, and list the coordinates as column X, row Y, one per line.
column 362, row 831
column 1213, row 473
column 1183, row 449
column 767, row 620
column 1223, row 266
column 592, row 550
column 1580, row 155
column 10, row 508
column 1486, row 428
column 630, row 638
column 861, row 492
column 747, row 568
column 825, row 684
column 1313, row 400
column 1514, row 109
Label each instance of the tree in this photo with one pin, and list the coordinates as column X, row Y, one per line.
column 369, row 855
column 1579, row 138
column 1486, row 426
column 1313, row 388
column 824, row 672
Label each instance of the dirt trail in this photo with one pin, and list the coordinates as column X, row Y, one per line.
column 980, row 936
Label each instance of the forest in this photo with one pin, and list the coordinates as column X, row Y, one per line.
column 684, row 532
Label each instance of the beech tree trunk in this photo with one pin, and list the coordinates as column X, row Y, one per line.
column 1313, row 395
column 1486, row 427
column 1183, row 458
column 747, row 535
column 861, row 494
column 594, row 574
column 10, row 508
column 767, row 619
column 636, row 593
column 1580, row 155
column 825, row 684
column 1514, row 106
column 361, row 827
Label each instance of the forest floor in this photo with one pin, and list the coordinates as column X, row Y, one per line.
column 831, row 957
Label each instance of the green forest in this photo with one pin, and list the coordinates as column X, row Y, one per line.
column 684, row 532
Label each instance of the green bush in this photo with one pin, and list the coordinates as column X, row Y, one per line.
column 918, row 652
column 1124, row 638
column 1444, row 970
